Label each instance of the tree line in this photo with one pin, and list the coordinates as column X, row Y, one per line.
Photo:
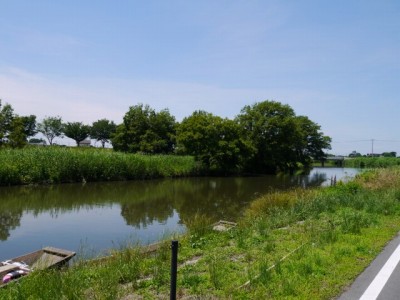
column 265, row 137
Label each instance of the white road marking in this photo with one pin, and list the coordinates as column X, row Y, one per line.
column 376, row 286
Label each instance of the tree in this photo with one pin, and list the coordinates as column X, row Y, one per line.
column 102, row 130
column 17, row 136
column 280, row 139
column 160, row 136
column 76, row 131
column 144, row 130
column 29, row 123
column 312, row 141
column 355, row 154
column 51, row 127
column 13, row 128
column 214, row 141
column 6, row 117
column 389, row 154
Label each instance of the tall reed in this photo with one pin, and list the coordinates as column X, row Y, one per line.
column 58, row 165
column 372, row 162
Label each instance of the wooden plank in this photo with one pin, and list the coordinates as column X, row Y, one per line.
column 59, row 251
column 8, row 268
column 47, row 260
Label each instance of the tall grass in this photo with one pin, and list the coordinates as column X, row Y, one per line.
column 59, row 165
column 372, row 162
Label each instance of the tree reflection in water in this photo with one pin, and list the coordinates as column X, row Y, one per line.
column 143, row 203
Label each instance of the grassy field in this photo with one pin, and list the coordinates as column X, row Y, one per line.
column 47, row 165
column 301, row 244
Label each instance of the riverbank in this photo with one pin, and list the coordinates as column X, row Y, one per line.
column 371, row 162
column 297, row 244
column 49, row 165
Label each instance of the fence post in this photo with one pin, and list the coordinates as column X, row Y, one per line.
column 174, row 268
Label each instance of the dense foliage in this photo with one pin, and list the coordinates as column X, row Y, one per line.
column 280, row 139
column 145, row 130
column 266, row 137
column 216, row 142
column 61, row 164
column 15, row 129
column 6, row 116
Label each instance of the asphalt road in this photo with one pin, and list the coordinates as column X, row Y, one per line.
column 381, row 280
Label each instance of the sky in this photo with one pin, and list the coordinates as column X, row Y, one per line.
column 337, row 62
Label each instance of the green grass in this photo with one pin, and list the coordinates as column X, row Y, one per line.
column 301, row 244
column 372, row 162
column 38, row 165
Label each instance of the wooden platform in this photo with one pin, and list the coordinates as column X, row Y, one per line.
column 47, row 260
column 223, row 225
column 8, row 268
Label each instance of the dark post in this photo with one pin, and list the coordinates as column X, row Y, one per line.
column 174, row 268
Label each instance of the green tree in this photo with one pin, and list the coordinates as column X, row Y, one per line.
column 51, row 127
column 280, row 139
column 160, row 136
column 17, row 137
column 355, row 154
column 6, row 118
column 144, row 130
column 29, row 123
column 76, row 131
column 311, row 142
column 389, row 154
column 102, row 130
column 214, row 141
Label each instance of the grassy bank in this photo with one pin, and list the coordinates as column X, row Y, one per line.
column 372, row 162
column 301, row 244
column 39, row 165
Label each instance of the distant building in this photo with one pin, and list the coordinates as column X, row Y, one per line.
column 37, row 142
column 85, row 143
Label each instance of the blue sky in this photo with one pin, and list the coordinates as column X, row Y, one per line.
column 335, row 61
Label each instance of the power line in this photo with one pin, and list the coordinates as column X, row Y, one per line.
column 357, row 141
column 372, row 141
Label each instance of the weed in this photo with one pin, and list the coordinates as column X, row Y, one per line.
column 240, row 235
column 329, row 234
column 264, row 272
column 199, row 225
column 215, row 270
column 354, row 221
column 190, row 279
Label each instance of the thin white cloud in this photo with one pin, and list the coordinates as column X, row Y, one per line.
column 90, row 99
column 32, row 41
column 87, row 100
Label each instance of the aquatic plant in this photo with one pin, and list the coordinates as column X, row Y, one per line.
column 48, row 165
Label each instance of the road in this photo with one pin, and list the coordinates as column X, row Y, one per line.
column 381, row 280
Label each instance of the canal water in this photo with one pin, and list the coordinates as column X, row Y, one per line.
column 95, row 217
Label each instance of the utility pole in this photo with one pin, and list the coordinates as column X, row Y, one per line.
column 372, row 147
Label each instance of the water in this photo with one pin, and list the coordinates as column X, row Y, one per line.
column 99, row 216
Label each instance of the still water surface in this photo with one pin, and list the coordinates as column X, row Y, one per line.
column 94, row 217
